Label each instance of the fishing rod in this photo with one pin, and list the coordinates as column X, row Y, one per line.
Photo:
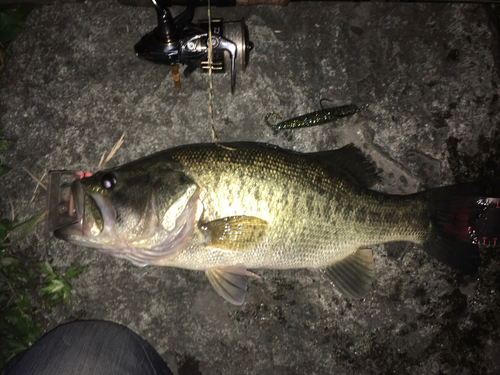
column 230, row 3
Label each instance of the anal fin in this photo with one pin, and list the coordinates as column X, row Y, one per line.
column 353, row 275
column 230, row 282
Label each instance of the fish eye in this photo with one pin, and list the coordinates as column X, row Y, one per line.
column 108, row 181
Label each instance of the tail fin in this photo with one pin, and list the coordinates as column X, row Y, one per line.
column 453, row 209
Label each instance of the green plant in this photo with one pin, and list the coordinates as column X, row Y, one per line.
column 3, row 146
column 27, row 289
column 11, row 23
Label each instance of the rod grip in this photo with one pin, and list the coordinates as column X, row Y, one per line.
column 136, row 3
column 263, row 2
column 148, row 3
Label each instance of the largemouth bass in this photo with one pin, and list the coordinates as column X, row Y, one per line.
column 221, row 211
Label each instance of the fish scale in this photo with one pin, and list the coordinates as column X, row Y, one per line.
column 301, row 232
column 224, row 211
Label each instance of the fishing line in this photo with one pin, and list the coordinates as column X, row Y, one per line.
column 210, row 110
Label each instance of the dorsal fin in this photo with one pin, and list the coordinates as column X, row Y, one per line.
column 351, row 161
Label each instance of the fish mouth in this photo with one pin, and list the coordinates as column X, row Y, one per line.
column 91, row 214
column 77, row 199
column 76, row 205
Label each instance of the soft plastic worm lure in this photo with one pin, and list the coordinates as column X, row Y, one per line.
column 315, row 118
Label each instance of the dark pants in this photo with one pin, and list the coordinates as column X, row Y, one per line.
column 88, row 348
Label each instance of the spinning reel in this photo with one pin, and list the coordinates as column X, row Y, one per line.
column 177, row 41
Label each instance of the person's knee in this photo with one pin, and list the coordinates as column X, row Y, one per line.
column 107, row 333
column 89, row 347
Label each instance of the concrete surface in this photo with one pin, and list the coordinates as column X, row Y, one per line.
column 430, row 73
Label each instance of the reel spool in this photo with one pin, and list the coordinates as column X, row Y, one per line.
column 177, row 41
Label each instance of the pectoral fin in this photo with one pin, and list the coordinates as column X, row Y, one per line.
column 353, row 275
column 230, row 282
column 235, row 233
